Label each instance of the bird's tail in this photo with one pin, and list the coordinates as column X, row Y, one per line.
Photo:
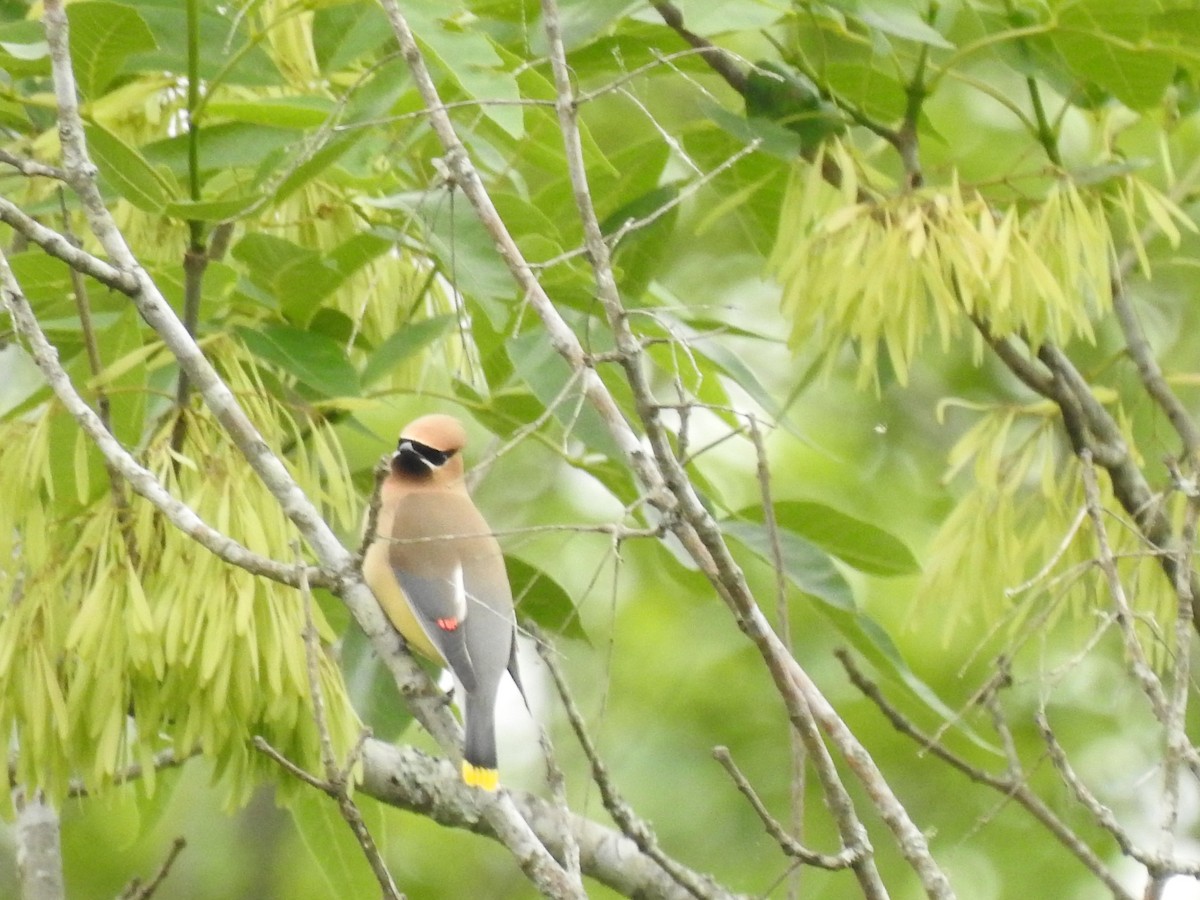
column 479, row 745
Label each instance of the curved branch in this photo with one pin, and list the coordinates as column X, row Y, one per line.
column 1151, row 374
column 718, row 60
column 406, row 778
column 339, row 566
column 1093, row 430
column 702, row 537
column 60, row 247
column 141, row 480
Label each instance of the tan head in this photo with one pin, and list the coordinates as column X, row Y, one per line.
column 430, row 450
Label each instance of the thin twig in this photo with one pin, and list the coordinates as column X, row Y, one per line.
column 31, row 167
column 557, row 783
column 1102, row 815
column 1143, row 672
column 61, row 247
column 138, row 891
column 841, row 860
column 337, row 777
column 631, row 825
column 140, row 479
column 162, row 761
column 127, row 275
column 1012, row 785
column 798, row 755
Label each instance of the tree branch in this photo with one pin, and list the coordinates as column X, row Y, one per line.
column 39, row 848
column 138, row 891
column 630, row 823
column 700, row 534
column 1013, row 784
column 140, row 479
column 841, row 860
column 406, row 778
column 339, row 567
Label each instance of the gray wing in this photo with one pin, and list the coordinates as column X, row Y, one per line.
column 440, row 605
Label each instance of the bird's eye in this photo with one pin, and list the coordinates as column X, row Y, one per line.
column 435, row 457
column 431, row 457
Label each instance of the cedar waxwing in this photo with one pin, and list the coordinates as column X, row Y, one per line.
column 439, row 575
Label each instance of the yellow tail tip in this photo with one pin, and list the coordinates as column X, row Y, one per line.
column 476, row 776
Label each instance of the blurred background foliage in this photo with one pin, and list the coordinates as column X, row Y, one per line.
column 917, row 484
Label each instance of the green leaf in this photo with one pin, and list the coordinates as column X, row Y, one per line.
column 313, row 359
column 342, row 34
column 266, row 255
column 371, row 687
column 317, row 162
column 462, row 245
column 775, row 138
column 300, row 278
column 103, row 35
column 806, row 566
column 783, row 95
column 860, row 544
column 126, row 389
column 229, row 145
column 332, row 846
column 547, row 374
column 734, row 367
column 581, row 22
column 874, row 644
column 406, row 342
column 358, row 250
column 22, row 379
column 127, row 171
column 471, row 59
column 275, row 112
column 640, row 254
column 227, row 49
column 24, row 40
column 1100, row 39
column 899, row 20
column 211, row 210
column 541, row 599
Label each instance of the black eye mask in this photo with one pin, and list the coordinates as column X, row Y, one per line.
column 419, row 459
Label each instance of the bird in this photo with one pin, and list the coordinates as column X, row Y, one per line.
column 439, row 575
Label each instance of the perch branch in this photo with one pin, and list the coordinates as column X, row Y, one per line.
column 408, row 779
column 699, row 531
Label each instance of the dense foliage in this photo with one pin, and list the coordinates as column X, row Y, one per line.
column 890, row 301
